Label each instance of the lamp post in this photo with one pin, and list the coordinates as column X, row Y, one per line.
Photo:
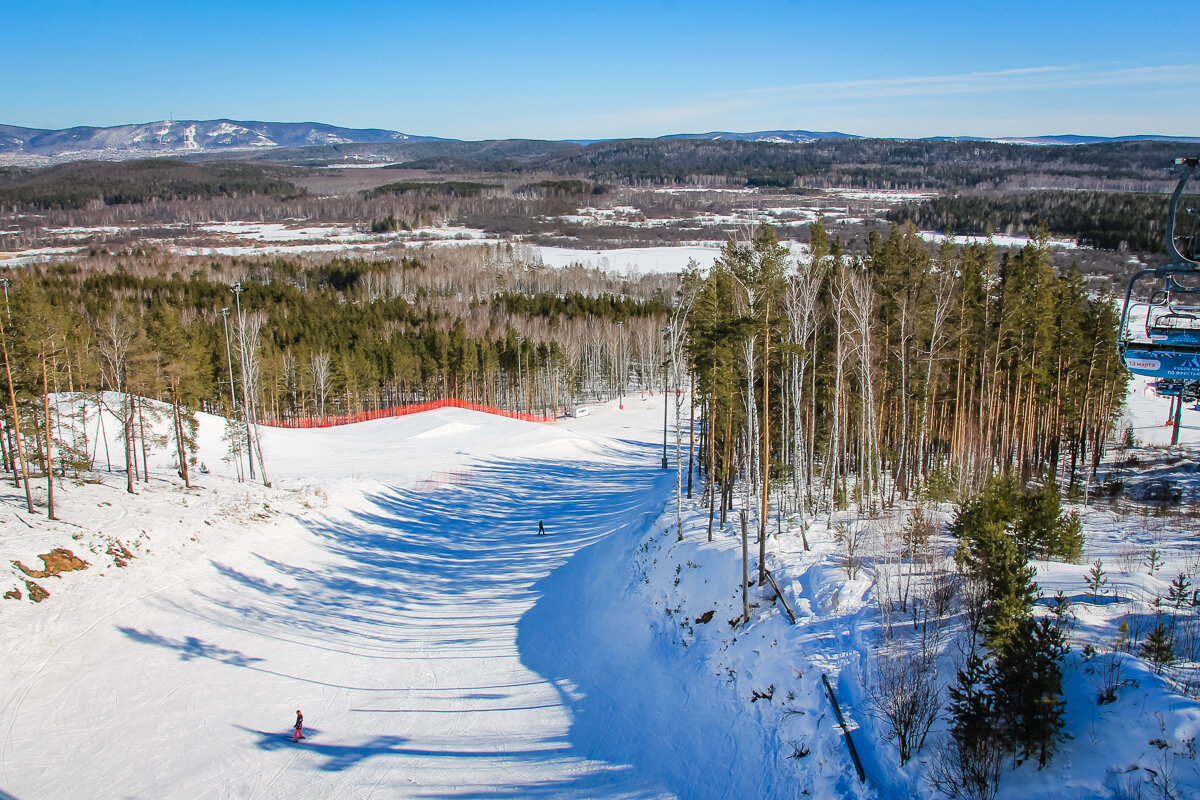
column 620, row 363
column 666, row 331
column 232, row 391
column 237, row 293
column 520, row 381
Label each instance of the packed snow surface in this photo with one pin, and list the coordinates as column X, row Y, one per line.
column 644, row 260
column 393, row 587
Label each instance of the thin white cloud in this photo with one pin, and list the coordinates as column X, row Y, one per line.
column 717, row 111
column 1045, row 78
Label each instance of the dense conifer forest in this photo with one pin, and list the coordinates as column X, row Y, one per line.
column 933, row 368
column 1105, row 220
column 82, row 184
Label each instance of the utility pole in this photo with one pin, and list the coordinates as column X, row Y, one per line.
column 232, row 391
column 520, row 380
column 620, row 366
column 237, row 294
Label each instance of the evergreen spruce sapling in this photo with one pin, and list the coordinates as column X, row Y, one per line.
column 1042, row 531
column 1028, row 688
column 1158, row 648
column 1179, row 591
column 976, row 751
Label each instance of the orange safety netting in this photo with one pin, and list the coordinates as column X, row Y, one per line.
column 400, row 411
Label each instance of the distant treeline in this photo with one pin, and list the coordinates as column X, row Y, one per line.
column 1105, row 220
column 576, row 305
column 569, row 186
column 869, row 163
column 81, row 184
column 875, row 163
column 452, row 188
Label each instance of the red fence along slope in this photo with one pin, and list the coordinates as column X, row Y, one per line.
column 400, row 411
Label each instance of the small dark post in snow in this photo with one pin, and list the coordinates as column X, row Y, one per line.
column 779, row 594
column 837, row 710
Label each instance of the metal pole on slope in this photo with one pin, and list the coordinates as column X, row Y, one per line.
column 1178, row 417
column 520, row 381
column 620, row 362
column 237, row 293
column 232, row 390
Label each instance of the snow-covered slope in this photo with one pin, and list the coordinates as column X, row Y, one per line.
column 778, row 137
column 175, row 138
column 392, row 585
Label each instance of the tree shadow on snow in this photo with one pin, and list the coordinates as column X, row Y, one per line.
column 338, row 757
column 459, row 571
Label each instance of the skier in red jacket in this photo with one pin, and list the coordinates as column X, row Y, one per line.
column 298, row 730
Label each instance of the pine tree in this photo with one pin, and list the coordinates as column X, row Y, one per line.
column 1159, row 647
column 1042, row 531
column 977, row 749
column 1028, row 688
column 1180, row 591
column 1097, row 579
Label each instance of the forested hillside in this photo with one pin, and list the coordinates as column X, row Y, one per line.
column 1104, row 220
column 937, row 369
column 932, row 367
column 81, row 184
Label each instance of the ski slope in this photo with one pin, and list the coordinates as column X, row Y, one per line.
column 391, row 586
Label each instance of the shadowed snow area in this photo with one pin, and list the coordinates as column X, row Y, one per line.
column 437, row 645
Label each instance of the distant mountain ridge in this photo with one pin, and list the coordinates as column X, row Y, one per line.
column 212, row 138
column 801, row 137
column 34, row 146
column 1066, row 139
column 780, row 137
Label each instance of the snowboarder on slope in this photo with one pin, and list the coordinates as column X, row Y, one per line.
column 298, row 730
column 541, row 528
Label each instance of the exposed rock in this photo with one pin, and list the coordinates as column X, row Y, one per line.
column 13, row 594
column 56, row 561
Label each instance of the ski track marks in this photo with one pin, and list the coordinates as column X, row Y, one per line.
column 439, row 648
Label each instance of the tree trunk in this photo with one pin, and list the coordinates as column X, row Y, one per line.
column 49, row 443
column 12, row 396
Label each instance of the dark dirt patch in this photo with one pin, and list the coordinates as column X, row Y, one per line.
column 13, row 594
column 56, row 561
column 705, row 618
column 119, row 552
column 36, row 593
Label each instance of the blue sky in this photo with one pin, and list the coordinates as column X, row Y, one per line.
column 563, row 70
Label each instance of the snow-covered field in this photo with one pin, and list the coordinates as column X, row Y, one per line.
column 1000, row 240
column 644, row 260
column 392, row 585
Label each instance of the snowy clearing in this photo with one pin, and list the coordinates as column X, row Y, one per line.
column 644, row 260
